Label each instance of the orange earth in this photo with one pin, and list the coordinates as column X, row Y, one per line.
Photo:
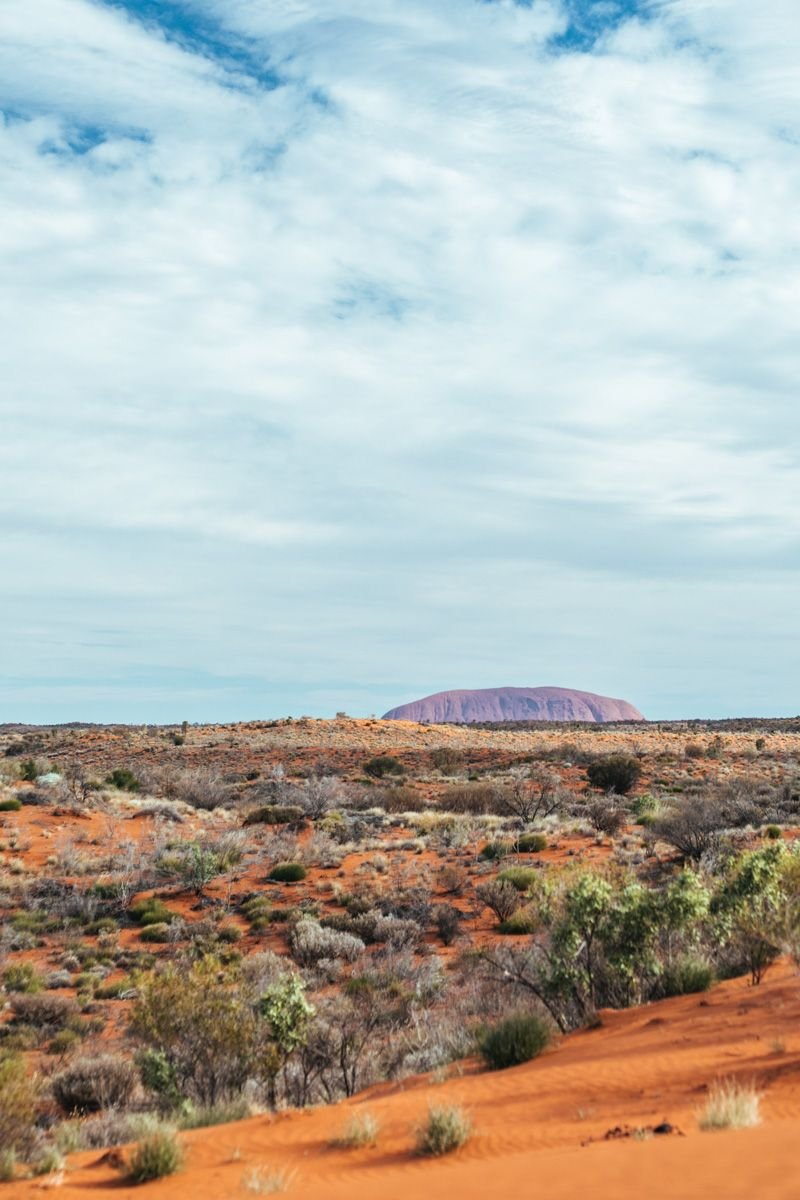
column 542, row 1129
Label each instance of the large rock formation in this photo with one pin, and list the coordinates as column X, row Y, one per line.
column 514, row 704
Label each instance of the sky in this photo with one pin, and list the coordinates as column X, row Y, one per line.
column 354, row 350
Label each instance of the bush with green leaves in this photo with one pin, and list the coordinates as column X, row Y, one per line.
column 617, row 773
column 208, row 1031
column 151, row 911
column 287, row 872
column 522, row 878
column 22, row 977
column 495, row 850
column 383, row 764
column 688, row 974
column 123, row 780
column 10, row 804
column 514, row 1040
column 523, row 921
column 531, row 843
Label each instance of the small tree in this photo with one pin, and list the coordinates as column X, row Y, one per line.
column 614, row 773
column 532, row 792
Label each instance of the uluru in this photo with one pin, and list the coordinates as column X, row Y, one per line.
column 469, row 707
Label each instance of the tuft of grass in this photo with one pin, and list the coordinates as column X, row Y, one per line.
column 49, row 1161
column 730, row 1105
column 360, row 1130
column 8, row 1166
column 515, row 1040
column 447, row 1128
column 264, row 1181
column 155, row 1156
column 287, row 872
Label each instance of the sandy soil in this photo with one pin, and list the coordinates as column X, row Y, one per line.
column 540, row 1129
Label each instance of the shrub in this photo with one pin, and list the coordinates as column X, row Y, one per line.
column 311, row 942
column 91, row 1084
column 158, row 932
column 519, row 877
column 605, row 818
column 287, row 872
column 522, row 921
column 383, row 764
column 11, row 804
column 22, row 977
column 124, row 780
column 692, row 827
column 494, row 850
column 447, row 1128
column 687, row 975
column 501, row 897
column 151, row 911
column 447, row 922
column 206, row 1115
column 360, row 1130
column 773, row 832
column 155, row 1156
column 614, row 773
column 18, row 1100
column 515, row 1040
column 730, row 1105
column 275, row 814
column 532, row 843
column 44, row 1012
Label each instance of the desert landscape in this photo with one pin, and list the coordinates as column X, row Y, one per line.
column 329, row 957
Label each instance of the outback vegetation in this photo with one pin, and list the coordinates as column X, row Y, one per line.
column 203, row 923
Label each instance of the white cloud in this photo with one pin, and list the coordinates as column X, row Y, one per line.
column 347, row 375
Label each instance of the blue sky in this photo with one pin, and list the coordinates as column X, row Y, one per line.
column 353, row 351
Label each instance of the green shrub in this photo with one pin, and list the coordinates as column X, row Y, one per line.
column 773, row 832
column 229, row 933
column 275, row 814
column 522, row 921
column 151, row 911
column 11, row 804
column 205, row 1115
column 289, row 872
column 29, row 770
column 447, row 1128
column 155, row 1156
column 519, row 877
column 124, row 780
column 22, row 977
column 687, row 975
column 514, row 1040
column 494, row 850
column 64, row 1041
column 614, row 773
column 160, row 932
column 383, row 764
column 532, row 843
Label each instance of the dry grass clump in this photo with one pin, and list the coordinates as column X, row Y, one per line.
column 447, row 1128
column 730, row 1105
column 263, row 1181
column 360, row 1130
column 155, row 1156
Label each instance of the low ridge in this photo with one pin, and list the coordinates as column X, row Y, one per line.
column 469, row 707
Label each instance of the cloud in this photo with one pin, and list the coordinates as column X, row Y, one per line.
column 359, row 350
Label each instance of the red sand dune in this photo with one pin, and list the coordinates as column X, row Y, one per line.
column 514, row 704
column 539, row 1128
